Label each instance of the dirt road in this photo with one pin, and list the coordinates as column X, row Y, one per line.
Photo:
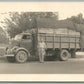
column 72, row 66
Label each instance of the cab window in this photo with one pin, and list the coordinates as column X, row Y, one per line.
column 26, row 37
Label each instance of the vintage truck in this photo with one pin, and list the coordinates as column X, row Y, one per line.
column 61, row 43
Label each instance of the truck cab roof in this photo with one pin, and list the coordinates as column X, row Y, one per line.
column 24, row 34
column 21, row 36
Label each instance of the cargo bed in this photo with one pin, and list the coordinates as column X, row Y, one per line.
column 60, row 38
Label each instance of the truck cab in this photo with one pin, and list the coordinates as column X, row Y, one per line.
column 20, row 47
column 25, row 40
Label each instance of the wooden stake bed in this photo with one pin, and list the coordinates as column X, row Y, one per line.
column 60, row 38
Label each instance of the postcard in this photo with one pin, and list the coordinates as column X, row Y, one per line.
column 42, row 41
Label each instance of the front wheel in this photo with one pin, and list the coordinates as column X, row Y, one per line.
column 64, row 55
column 21, row 56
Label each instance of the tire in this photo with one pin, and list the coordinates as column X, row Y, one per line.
column 73, row 54
column 21, row 56
column 11, row 59
column 64, row 55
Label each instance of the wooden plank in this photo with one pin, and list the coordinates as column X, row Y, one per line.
column 77, row 39
column 72, row 39
column 63, row 31
column 77, row 45
column 65, row 39
column 72, row 45
column 57, row 39
column 57, row 45
column 49, row 45
column 49, row 38
column 64, row 45
column 45, row 30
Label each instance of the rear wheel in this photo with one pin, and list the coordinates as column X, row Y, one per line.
column 64, row 55
column 11, row 59
column 21, row 56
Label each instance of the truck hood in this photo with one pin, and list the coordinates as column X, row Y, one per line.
column 13, row 43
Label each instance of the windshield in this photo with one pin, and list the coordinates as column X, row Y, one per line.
column 18, row 37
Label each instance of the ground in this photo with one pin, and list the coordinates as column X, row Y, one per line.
column 72, row 66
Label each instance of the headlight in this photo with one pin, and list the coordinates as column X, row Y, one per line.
column 11, row 50
column 8, row 51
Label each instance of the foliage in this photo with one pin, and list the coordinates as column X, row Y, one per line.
column 77, row 19
column 3, row 37
column 20, row 22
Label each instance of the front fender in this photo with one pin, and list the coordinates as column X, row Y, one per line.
column 11, row 50
column 21, row 48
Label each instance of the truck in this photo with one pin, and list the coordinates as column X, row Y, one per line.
column 61, row 43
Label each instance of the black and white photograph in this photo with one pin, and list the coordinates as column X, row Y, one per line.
column 45, row 38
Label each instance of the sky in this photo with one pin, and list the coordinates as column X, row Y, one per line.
column 64, row 9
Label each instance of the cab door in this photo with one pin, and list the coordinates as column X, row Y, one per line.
column 26, row 42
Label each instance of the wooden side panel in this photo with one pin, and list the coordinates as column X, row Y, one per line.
column 60, row 38
column 64, row 45
column 72, row 45
column 57, row 45
column 77, row 45
column 57, row 39
column 72, row 39
column 64, row 39
column 78, row 39
column 49, row 39
column 49, row 45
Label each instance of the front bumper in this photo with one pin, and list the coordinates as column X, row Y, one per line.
column 9, row 55
column 9, row 52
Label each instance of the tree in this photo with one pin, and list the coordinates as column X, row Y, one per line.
column 78, row 23
column 17, row 23
column 20, row 22
column 3, row 37
column 77, row 19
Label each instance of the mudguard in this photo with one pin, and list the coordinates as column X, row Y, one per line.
column 21, row 48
